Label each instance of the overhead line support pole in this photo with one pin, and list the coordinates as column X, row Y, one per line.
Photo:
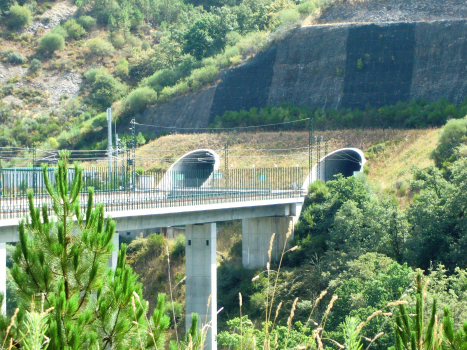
column 109, row 140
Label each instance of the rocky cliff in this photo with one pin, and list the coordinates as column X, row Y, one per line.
column 336, row 66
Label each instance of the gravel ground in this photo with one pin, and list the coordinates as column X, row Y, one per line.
column 391, row 11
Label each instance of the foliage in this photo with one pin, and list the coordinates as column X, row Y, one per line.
column 20, row 16
column 413, row 114
column 412, row 333
column 73, row 29
column 139, row 99
column 16, row 58
column 454, row 135
column 436, row 218
column 105, row 89
column 35, row 65
column 343, row 219
column 87, row 22
column 90, row 305
column 51, row 42
column 99, row 47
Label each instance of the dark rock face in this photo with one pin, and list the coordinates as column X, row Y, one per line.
column 379, row 64
column 246, row 86
column 336, row 66
column 189, row 111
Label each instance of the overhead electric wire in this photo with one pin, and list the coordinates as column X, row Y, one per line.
column 235, row 128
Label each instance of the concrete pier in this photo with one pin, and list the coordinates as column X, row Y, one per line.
column 3, row 276
column 114, row 256
column 256, row 236
column 201, row 278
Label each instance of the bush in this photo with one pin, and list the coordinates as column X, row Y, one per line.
column 118, row 41
column 162, row 78
column 145, row 45
column 139, row 99
column 74, row 30
column 99, row 121
column 288, row 15
column 20, row 16
column 122, row 69
column 51, row 42
column 87, row 22
column 202, row 76
column 60, row 30
column 100, row 48
column 16, row 58
column 90, row 75
column 306, row 8
column 106, row 90
column 133, row 41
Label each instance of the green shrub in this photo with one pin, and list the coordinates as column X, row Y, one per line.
column 99, row 47
column 87, row 22
column 145, row 45
column 172, row 91
column 60, row 30
column 99, row 121
column 306, row 8
column 162, row 78
column 91, row 74
column 74, row 30
column 106, row 90
column 118, row 41
column 202, row 76
column 122, row 69
column 232, row 38
column 20, row 16
column 51, row 42
column 139, row 99
column 288, row 15
column 133, row 41
column 16, row 58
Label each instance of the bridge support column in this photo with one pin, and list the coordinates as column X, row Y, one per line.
column 114, row 255
column 256, row 236
column 201, row 278
column 3, row 276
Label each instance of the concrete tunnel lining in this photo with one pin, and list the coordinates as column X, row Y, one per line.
column 194, row 169
column 345, row 161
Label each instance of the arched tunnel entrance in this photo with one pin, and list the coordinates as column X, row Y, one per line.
column 345, row 161
column 192, row 170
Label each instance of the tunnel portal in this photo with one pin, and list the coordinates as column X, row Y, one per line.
column 345, row 161
column 194, row 169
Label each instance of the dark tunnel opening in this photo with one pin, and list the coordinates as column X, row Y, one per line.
column 345, row 162
column 193, row 170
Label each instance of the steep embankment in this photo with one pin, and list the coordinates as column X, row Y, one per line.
column 391, row 153
column 336, row 66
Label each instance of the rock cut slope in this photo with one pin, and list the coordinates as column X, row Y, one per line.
column 374, row 11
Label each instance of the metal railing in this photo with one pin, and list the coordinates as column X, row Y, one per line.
column 123, row 189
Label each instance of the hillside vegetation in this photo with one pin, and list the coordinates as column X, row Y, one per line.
column 63, row 63
column 356, row 241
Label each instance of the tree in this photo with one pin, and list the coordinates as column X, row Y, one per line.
column 453, row 135
column 20, row 16
column 64, row 260
column 51, row 42
column 140, row 140
column 205, row 37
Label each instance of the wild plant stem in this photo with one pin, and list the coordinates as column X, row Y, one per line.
column 171, row 297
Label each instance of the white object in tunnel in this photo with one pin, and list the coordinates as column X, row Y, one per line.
column 345, row 161
column 194, row 169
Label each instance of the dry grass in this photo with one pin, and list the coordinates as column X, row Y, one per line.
column 394, row 163
column 247, row 149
